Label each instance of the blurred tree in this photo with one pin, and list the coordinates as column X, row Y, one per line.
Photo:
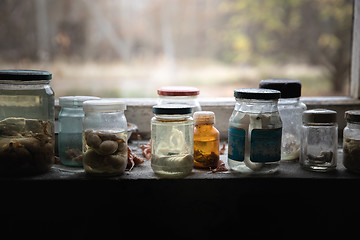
column 315, row 31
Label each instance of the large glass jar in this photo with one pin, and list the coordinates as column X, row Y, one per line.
column 351, row 141
column 70, row 129
column 104, row 137
column 255, row 132
column 291, row 110
column 179, row 95
column 27, row 137
column 319, row 140
column 172, row 140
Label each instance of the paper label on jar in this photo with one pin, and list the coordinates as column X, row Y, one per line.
column 236, row 144
column 265, row 145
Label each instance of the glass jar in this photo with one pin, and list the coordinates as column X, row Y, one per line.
column 255, row 132
column 27, row 137
column 291, row 109
column 172, row 140
column 179, row 95
column 351, row 141
column 70, row 129
column 104, row 137
column 319, row 140
column 206, row 140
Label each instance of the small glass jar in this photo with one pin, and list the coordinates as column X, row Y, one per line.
column 351, row 141
column 27, row 137
column 70, row 129
column 206, row 140
column 172, row 140
column 255, row 132
column 180, row 95
column 104, row 137
column 291, row 110
column 319, row 140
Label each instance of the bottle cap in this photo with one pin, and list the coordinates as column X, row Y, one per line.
column 352, row 116
column 204, row 117
column 319, row 116
column 289, row 88
column 257, row 93
column 75, row 101
column 104, row 105
column 25, row 75
column 178, row 91
column 172, row 109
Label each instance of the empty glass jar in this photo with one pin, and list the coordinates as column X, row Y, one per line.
column 319, row 140
column 291, row 110
column 104, row 137
column 255, row 132
column 70, row 129
column 27, row 137
column 179, row 95
column 172, row 140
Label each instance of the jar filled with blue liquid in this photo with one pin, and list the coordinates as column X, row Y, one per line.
column 70, row 129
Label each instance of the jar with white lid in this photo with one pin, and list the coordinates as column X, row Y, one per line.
column 351, row 141
column 70, row 129
column 291, row 109
column 181, row 95
column 319, row 140
column 255, row 132
column 172, row 141
column 104, row 137
column 27, row 137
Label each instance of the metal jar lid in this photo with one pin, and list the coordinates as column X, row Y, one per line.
column 352, row 116
column 178, row 91
column 289, row 88
column 25, row 75
column 319, row 116
column 257, row 93
column 172, row 109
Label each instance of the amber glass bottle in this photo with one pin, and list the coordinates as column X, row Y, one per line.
column 206, row 140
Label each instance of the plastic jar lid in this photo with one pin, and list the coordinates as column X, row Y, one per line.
column 25, row 75
column 172, row 109
column 204, row 117
column 352, row 116
column 257, row 93
column 289, row 88
column 75, row 101
column 319, row 116
column 178, row 91
column 104, row 105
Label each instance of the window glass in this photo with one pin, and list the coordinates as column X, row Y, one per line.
column 122, row 48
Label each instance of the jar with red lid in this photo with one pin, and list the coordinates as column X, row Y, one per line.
column 182, row 95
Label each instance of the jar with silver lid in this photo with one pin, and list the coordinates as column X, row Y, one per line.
column 319, row 140
column 291, row 110
column 351, row 141
column 255, row 132
column 70, row 129
column 104, row 137
column 172, row 141
column 27, row 136
column 181, row 95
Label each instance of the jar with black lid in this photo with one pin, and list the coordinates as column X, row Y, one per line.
column 291, row 110
column 172, row 140
column 255, row 132
column 319, row 140
column 27, row 136
column 351, row 141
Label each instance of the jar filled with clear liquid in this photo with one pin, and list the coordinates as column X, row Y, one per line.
column 255, row 130
column 319, row 140
column 290, row 109
column 104, row 137
column 172, row 141
column 27, row 137
column 70, row 129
